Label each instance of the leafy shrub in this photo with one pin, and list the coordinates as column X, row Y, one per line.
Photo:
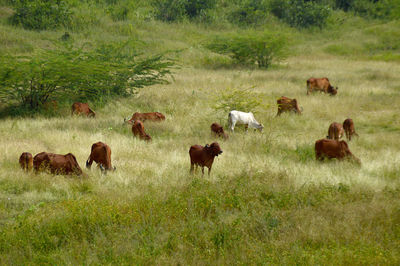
column 175, row 10
column 237, row 99
column 249, row 12
column 301, row 13
column 248, row 49
column 72, row 73
column 41, row 14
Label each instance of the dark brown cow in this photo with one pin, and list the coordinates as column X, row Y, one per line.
column 57, row 163
column 138, row 130
column 203, row 156
column 218, row 131
column 286, row 104
column 329, row 148
column 101, row 154
column 335, row 131
column 26, row 161
column 82, row 108
column 320, row 84
column 154, row 116
column 348, row 126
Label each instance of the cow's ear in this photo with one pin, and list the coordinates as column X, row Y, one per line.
column 294, row 100
column 207, row 145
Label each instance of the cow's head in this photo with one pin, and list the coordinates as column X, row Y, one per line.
column 332, row 90
column 91, row 113
column 147, row 137
column 260, row 127
column 214, row 149
column 74, row 164
column 128, row 121
column 296, row 108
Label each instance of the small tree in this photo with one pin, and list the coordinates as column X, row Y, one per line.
column 236, row 99
column 72, row 73
column 247, row 49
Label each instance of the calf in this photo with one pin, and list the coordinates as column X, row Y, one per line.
column 238, row 117
column 101, row 154
column 82, row 108
column 286, row 104
column 56, row 163
column 348, row 126
column 329, row 148
column 138, row 130
column 26, row 161
column 320, row 84
column 335, row 131
column 154, row 116
column 203, row 156
column 218, row 131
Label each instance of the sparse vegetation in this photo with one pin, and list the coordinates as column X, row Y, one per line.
column 267, row 201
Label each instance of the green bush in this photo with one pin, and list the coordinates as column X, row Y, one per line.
column 249, row 12
column 237, row 99
column 252, row 48
column 301, row 13
column 41, row 14
column 72, row 73
column 175, row 10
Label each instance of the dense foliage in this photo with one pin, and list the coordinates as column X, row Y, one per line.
column 76, row 74
column 41, row 14
column 252, row 48
column 171, row 10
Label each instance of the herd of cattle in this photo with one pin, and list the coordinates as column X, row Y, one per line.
column 331, row 147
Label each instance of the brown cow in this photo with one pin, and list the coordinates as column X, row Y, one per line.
column 335, row 131
column 101, row 154
column 203, row 156
column 320, row 84
column 82, row 108
column 218, row 131
column 138, row 130
column 154, row 116
column 56, row 163
column 329, row 148
column 26, row 161
column 286, row 104
column 348, row 126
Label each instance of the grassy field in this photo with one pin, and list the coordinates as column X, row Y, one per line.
column 267, row 200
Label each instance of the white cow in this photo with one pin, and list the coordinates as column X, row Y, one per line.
column 237, row 117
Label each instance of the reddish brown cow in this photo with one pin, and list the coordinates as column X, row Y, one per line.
column 286, row 104
column 26, row 161
column 57, row 163
column 101, row 154
column 203, row 156
column 138, row 130
column 320, row 84
column 82, row 108
column 335, row 131
column 348, row 126
column 218, row 131
column 154, row 116
column 329, row 148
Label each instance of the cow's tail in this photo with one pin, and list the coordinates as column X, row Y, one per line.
column 229, row 119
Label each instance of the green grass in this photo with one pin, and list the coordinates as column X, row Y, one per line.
column 267, row 201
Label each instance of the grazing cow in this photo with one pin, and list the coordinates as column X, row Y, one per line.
column 82, row 108
column 101, row 154
column 154, row 116
column 320, row 84
column 335, row 131
column 26, row 161
column 329, row 148
column 286, row 104
column 203, row 156
column 138, row 130
column 238, row 117
column 57, row 163
column 348, row 126
column 218, row 131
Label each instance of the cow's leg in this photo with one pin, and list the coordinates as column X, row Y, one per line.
column 209, row 170
column 232, row 125
column 191, row 167
column 246, row 126
column 202, row 171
